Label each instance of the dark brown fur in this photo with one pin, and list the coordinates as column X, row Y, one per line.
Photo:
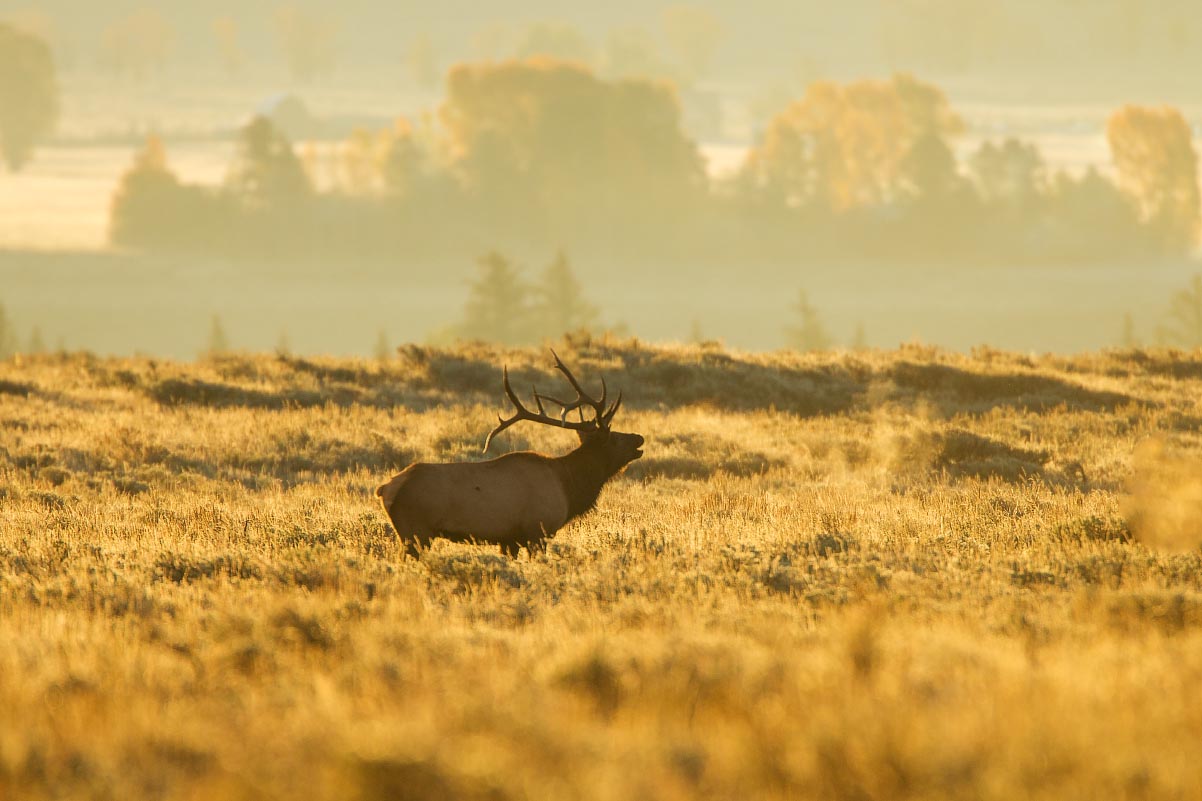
column 516, row 500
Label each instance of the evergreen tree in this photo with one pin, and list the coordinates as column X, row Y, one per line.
column 267, row 173
column 1129, row 339
column 36, row 343
column 1184, row 324
column 383, row 351
column 403, row 165
column 497, row 308
column 809, row 333
column 8, row 335
column 218, row 342
column 559, row 305
column 859, row 340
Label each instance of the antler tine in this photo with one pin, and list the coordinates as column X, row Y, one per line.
column 563, row 368
column 513, row 398
column 522, row 413
column 504, row 425
column 609, row 416
column 564, row 407
column 582, row 397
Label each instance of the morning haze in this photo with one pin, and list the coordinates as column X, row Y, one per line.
column 341, row 178
column 545, row 401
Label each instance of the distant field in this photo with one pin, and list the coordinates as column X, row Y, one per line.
column 61, row 201
column 163, row 306
column 894, row 575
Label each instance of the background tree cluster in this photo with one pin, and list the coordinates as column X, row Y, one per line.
column 868, row 168
column 522, row 153
column 502, row 306
column 528, row 155
column 546, row 149
column 866, row 144
column 255, row 212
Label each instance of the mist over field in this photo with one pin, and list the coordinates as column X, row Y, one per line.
column 883, row 475
column 936, row 171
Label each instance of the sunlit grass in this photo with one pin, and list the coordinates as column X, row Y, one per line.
column 868, row 575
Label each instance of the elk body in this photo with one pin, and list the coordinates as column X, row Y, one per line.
column 519, row 499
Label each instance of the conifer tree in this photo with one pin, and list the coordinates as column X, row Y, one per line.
column 383, row 351
column 36, row 343
column 809, row 333
column 1184, row 324
column 218, row 342
column 497, row 308
column 8, row 336
column 559, row 306
column 1128, row 337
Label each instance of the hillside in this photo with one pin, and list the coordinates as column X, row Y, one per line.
column 870, row 575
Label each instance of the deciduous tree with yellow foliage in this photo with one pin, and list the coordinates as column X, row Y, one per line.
column 1157, row 166
column 858, row 145
column 544, row 144
column 153, row 209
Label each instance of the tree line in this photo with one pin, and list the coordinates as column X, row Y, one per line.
column 536, row 154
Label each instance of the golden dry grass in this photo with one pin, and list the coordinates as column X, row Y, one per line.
column 864, row 576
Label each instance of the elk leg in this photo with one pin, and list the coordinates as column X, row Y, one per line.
column 416, row 536
column 534, row 545
column 416, row 543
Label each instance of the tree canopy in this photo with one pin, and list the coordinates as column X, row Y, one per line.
column 547, row 142
column 28, row 95
column 1157, row 165
column 856, row 145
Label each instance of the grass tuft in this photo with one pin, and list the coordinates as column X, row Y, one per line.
column 909, row 574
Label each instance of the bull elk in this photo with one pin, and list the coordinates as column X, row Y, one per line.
column 519, row 499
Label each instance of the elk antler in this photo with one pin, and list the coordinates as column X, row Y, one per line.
column 582, row 398
column 600, row 421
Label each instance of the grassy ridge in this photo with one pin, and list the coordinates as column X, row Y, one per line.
column 873, row 575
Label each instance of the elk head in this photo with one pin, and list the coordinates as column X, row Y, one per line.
column 596, row 436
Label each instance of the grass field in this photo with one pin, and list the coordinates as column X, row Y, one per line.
column 877, row 575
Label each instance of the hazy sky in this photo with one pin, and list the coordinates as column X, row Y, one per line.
column 1042, row 44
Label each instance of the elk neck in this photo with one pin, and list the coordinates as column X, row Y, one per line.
column 584, row 472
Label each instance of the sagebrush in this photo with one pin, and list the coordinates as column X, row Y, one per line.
column 870, row 575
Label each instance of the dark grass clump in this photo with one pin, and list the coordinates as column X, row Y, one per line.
column 954, row 390
column 965, row 454
column 18, row 388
